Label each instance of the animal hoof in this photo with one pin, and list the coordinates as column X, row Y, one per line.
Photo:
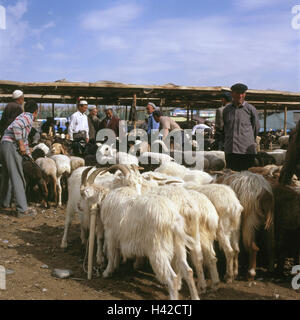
column 106, row 274
column 228, row 278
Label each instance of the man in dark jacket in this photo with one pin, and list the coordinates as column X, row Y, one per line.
column 110, row 122
column 219, row 123
column 12, row 110
column 241, row 127
column 94, row 123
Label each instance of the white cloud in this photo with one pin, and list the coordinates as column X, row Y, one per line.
column 11, row 39
column 39, row 46
column 118, row 15
column 257, row 4
column 18, row 10
column 204, row 51
column 38, row 32
column 58, row 42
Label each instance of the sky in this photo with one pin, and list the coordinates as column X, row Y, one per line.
column 152, row 42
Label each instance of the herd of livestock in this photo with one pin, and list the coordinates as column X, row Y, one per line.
column 165, row 210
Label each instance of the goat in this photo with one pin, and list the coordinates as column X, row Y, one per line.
column 34, row 176
column 256, row 197
column 287, row 224
column 63, row 165
column 49, row 170
column 229, row 210
column 143, row 226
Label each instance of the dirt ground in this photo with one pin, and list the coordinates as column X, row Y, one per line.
column 30, row 247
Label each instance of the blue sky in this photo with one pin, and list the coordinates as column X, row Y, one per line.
column 197, row 43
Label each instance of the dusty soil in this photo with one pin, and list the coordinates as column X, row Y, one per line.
column 31, row 248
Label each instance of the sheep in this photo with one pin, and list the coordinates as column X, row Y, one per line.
column 58, row 148
column 139, row 147
column 256, row 197
column 63, row 165
column 229, row 210
column 76, row 163
column 269, row 170
column 144, row 226
column 287, row 224
column 278, row 155
column 108, row 155
column 49, row 170
column 34, row 176
column 283, row 141
column 188, row 175
column 43, row 147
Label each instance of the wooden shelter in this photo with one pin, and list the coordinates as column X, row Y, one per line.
column 169, row 95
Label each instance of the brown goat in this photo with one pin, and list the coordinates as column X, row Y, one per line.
column 291, row 164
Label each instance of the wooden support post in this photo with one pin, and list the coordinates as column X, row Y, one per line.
column 188, row 114
column 134, row 110
column 265, row 117
column 53, row 110
column 126, row 113
column 285, row 121
column 192, row 114
column 162, row 102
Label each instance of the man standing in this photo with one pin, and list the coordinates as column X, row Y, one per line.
column 219, row 123
column 110, row 122
column 94, row 122
column 241, row 126
column 13, row 146
column 79, row 127
column 168, row 125
column 152, row 124
column 12, row 110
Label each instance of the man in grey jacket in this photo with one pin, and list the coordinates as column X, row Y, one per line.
column 241, row 126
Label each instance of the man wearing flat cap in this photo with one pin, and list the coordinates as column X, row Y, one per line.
column 94, row 122
column 12, row 110
column 241, row 127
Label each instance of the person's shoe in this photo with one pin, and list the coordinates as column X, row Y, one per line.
column 31, row 212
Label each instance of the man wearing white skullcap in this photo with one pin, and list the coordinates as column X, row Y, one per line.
column 12, row 110
column 79, row 122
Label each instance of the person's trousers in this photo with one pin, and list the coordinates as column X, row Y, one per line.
column 239, row 162
column 13, row 183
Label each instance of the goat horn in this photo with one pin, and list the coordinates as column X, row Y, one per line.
column 120, row 167
column 84, row 176
column 169, row 182
column 137, row 168
column 93, row 175
column 158, row 179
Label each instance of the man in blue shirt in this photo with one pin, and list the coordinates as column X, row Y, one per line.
column 152, row 124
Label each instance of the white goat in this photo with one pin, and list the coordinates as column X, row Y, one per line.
column 229, row 210
column 188, row 175
column 144, row 226
column 63, row 165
